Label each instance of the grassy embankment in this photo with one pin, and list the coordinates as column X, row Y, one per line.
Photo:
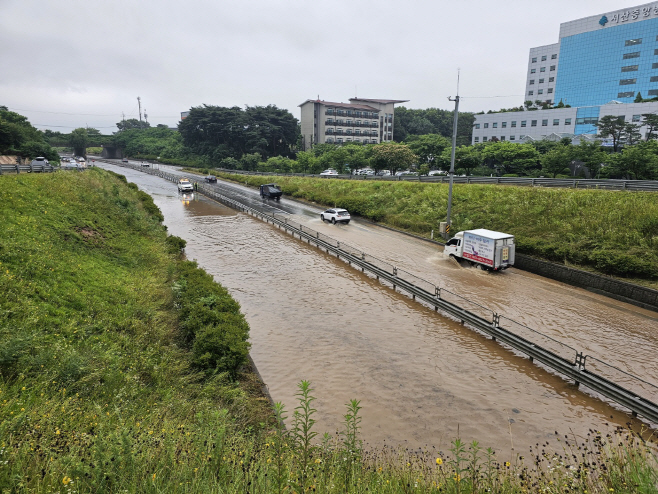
column 119, row 372
column 614, row 233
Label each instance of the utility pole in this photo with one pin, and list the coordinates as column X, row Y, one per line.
column 452, row 155
column 139, row 103
column 146, row 118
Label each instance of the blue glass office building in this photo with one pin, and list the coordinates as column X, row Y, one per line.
column 598, row 67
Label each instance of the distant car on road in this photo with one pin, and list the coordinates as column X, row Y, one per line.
column 184, row 185
column 329, row 173
column 124, row 160
column 336, row 215
column 211, row 179
column 270, row 191
column 39, row 160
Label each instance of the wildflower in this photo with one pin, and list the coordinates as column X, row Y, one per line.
column 269, row 460
column 57, row 432
column 457, row 478
column 507, row 464
column 439, row 461
column 23, row 388
column 66, row 480
column 153, row 478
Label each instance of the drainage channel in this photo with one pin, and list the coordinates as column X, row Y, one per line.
column 565, row 360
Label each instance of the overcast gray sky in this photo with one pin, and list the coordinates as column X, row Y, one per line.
column 73, row 63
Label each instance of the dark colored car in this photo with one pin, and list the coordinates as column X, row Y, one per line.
column 211, row 179
column 270, row 191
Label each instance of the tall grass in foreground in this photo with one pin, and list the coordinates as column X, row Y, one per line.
column 116, row 375
column 613, row 232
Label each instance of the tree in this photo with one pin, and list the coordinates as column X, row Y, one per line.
column 466, row 159
column 632, row 134
column 651, row 121
column 613, row 127
column 392, row 156
column 19, row 137
column 557, row 160
column 132, row 123
column 428, row 147
column 638, row 162
column 638, row 98
column 591, row 155
column 512, row 158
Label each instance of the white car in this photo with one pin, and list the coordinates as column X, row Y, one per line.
column 184, row 185
column 328, row 173
column 336, row 215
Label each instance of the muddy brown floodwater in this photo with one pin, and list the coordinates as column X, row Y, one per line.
column 422, row 378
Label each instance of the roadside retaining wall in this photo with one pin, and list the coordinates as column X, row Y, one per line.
column 620, row 290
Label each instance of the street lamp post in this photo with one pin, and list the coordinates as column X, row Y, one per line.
column 452, row 157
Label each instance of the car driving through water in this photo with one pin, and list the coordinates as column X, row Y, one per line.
column 336, row 215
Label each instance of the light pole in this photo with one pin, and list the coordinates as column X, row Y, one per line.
column 452, row 158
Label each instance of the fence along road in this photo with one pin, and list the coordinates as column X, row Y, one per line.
column 625, row 389
column 565, row 183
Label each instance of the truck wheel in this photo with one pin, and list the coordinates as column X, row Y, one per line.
column 347, row 222
column 322, row 217
column 333, row 221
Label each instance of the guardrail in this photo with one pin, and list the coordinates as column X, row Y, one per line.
column 617, row 385
column 8, row 169
column 575, row 183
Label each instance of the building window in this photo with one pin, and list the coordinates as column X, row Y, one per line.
column 550, row 90
column 551, row 79
column 477, row 126
column 541, row 81
column 654, row 65
column 543, row 58
column 532, row 81
column 532, row 71
column 552, row 67
column 502, row 138
column 511, row 138
column 513, row 123
column 521, row 137
column 653, row 92
column 540, row 91
column 530, row 93
column 627, row 94
column 542, row 69
column 587, row 121
column 556, row 121
column 654, row 79
column 523, row 123
column 631, row 42
column 635, row 54
column 504, row 125
column 544, row 122
column 626, row 82
column 534, row 59
column 495, row 125
column 486, row 125
column 554, row 56
column 567, row 121
column 630, row 68
column 636, row 118
column 484, row 139
column 533, row 123
column 477, row 139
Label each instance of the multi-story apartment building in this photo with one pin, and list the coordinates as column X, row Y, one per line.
column 598, row 67
column 364, row 121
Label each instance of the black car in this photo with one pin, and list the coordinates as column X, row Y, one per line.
column 211, row 179
column 270, row 191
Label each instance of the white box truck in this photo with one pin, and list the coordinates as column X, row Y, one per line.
column 490, row 250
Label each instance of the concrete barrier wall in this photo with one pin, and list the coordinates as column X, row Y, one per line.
column 626, row 292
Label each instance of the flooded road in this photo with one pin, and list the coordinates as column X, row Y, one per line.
column 420, row 377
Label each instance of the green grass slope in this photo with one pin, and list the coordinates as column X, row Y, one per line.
column 612, row 232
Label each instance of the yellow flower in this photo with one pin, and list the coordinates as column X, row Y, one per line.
column 318, row 460
column 507, row 464
column 57, row 432
column 66, row 480
column 439, row 461
column 269, row 460
column 457, row 478
column 153, row 477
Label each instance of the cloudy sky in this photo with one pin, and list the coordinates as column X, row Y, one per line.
column 73, row 63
